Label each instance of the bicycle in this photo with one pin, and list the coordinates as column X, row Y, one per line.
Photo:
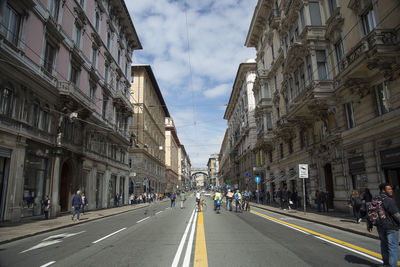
column 203, row 205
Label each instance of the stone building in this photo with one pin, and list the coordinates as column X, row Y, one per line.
column 172, row 145
column 64, row 103
column 184, row 168
column 224, row 162
column 242, row 129
column 147, row 154
column 213, row 170
column 328, row 81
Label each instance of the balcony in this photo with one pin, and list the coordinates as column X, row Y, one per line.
column 313, row 33
column 70, row 92
column 377, row 51
column 265, row 140
column 123, row 100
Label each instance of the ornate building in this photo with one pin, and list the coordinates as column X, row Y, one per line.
column 213, row 170
column 184, row 168
column 64, row 103
column 172, row 159
column 147, row 155
column 241, row 133
column 328, row 86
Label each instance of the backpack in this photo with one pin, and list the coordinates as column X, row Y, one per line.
column 237, row 196
column 218, row 201
column 376, row 212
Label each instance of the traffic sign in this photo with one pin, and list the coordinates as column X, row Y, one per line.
column 303, row 170
column 257, row 179
column 246, row 174
column 228, row 186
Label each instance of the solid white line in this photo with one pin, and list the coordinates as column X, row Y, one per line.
column 179, row 251
column 159, row 212
column 350, row 249
column 188, row 253
column 326, row 240
column 47, row 264
column 143, row 220
column 94, row 242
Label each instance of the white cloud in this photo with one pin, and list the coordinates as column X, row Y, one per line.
column 217, row 91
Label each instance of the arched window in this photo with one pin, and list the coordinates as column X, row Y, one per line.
column 6, row 101
column 35, row 114
column 45, row 118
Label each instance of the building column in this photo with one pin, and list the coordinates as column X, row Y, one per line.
column 91, row 195
column 55, row 189
column 16, row 182
column 106, row 179
column 126, row 189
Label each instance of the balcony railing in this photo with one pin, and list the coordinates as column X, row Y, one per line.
column 68, row 89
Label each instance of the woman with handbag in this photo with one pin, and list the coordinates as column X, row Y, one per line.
column 46, row 206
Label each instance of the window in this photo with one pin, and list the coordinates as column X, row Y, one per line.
column 382, row 98
column 97, row 22
column 302, row 77
column 275, row 83
column 349, row 115
column 35, row 115
column 315, row 14
column 287, row 105
column 54, row 8
column 45, row 119
column 117, row 84
column 272, row 51
column 6, row 101
column 302, row 20
column 82, row 3
column 332, row 6
column 74, row 75
column 368, row 21
column 106, row 73
column 296, row 82
column 339, row 53
column 278, row 113
column 94, row 56
column 309, row 69
column 108, row 40
column 267, row 93
column 281, row 150
column 92, row 92
column 11, row 24
column 104, row 109
column 119, row 56
column 77, row 35
column 25, row 111
column 290, row 145
column 126, row 69
column 321, row 65
column 270, row 157
column 49, row 56
column 268, row 116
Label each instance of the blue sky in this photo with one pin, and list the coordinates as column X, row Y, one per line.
column 195, row 93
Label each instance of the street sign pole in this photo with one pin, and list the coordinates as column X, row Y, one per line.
column 303, row 174
column 257, row 180
column 304, row 196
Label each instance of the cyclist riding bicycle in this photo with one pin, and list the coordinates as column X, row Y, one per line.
column 238, row 198
column 218, row 200
column 198, row 200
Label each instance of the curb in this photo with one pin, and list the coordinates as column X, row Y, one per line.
column 320, row 222
column 68, row 225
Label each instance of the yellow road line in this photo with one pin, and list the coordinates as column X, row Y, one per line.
column 200, row 255
column 366, row 251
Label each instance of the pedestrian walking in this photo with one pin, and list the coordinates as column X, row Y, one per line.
column 76, row 205
column 183, row 199
column 116, row 200
column 173, row 197
column 366, row 199
column 324, row 201
column 355, row 203
column 85, row 202
column 384, row 214
column 238, row 198
column 268, row 197
column 132, row 198
column 229, row 197
column 295, row 199
column 46, row 206
column 285, row 199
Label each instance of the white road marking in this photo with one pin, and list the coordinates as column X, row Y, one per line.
column 51, row 240
column 47, row 264
column 350, row 249
column 188, row 253
column 179, row 251
column 94, row 242
column 143, row 219
column 159, row 212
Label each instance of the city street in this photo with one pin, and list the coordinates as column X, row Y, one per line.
column 160, row 236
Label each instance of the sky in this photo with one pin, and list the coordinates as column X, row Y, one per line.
column 194, row 50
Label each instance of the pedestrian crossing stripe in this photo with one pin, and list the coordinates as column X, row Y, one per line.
column 337, row 241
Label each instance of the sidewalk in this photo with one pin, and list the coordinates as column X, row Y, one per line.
column 14, row 231
column 337, row 220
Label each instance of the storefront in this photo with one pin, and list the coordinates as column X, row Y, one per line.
column 35, row 176
column 112, row 190
column 390, row 161
column 5, row 156
column 359, row 179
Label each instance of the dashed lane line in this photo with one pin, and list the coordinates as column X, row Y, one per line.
column 107, row 236
column 159, row 212
column 142, row 220
column 48, row 264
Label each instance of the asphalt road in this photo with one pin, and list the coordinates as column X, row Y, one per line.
column 161, row 236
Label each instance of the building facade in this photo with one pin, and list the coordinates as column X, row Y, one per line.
column 64, row 103
column 224, row 162
column 213, row 170
column 172, row 145
column 184, row 168
column 147, row 154
column 240, row 114
column 328, row 83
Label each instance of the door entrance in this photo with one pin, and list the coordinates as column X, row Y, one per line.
column 65, row 188
column 4, row 167
column 393, row 178
column 329, row 185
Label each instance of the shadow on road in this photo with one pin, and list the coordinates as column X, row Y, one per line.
column 358, row 260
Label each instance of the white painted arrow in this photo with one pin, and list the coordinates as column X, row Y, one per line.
column 54, row 239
